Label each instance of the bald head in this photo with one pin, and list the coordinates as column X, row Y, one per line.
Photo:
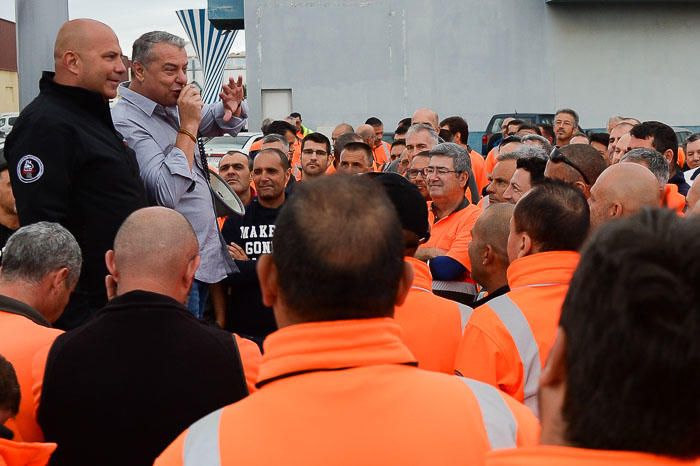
column 154, row 242
column 76, row 35
column 87, row 55
column 488, row 250
column 493, row 225
column 622, row 190
column 367, row 134
column 426, row 116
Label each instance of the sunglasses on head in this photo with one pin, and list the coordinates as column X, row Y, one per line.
column 557, row 157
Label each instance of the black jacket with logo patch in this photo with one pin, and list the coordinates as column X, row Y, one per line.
column 68, row 164
column 253, row 232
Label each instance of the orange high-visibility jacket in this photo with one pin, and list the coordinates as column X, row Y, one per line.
column 490, row 161
column 570, row 456
column 251, row 359
column 432, row 326
column 479, row 170
column 382, row 154
column 24, row 342
column 348, row 393
column 453, row 234
column 672, row 199
column 25, row 454
column 507, row 340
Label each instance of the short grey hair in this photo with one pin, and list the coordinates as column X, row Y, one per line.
column 653, row 160
column 508, row 156
column 141, row 52
column 424, row 127
column 539, row 140
column 462, row 162
column 35, row 250
column 529, row 150
column 271, row 138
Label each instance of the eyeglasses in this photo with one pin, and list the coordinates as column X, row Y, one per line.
column 320, row 153
column 556, row 156
column 440, row 171
column 414, row 172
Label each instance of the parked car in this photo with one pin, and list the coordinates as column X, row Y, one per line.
column 494, row 125
column 7, row 120
column 682, row 134
column 215, row 148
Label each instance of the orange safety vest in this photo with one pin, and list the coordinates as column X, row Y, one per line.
column 490, row 161
column 479, row 170
column 256, row 146
column 571, row 456
column 382, row 154
column 251, row 357
column 348, row 393
column 672, row 199
column 681, row 157
column 25, row 454
column 507, row 340
column 432, row 326
column 25, row 344
column 453, row 234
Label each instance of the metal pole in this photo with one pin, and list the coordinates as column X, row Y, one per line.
column 38, row 22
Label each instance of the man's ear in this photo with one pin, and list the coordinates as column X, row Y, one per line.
column 138, row 71
column 71, row 61
column 525, row 246
column 487, row 254
column 267, row 276
column 615, row 210
column 192, row 267
column 109, row 262
column 584, row 188
column 59, row 278
column 464, row 180
column 404, row 284
column 552, row 393
column 668, row 155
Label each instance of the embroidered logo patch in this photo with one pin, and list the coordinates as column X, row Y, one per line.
column 30, row 169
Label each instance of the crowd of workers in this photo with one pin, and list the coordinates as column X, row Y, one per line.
column 412, row 302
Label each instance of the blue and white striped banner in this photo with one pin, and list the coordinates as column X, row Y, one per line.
column 212, row 47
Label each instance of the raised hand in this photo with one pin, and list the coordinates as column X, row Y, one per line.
column 232, row 95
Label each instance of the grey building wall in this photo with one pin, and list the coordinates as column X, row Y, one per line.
column 345, row 60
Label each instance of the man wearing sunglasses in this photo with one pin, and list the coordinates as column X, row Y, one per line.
column 576, row 164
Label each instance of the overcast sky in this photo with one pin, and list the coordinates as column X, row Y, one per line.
column 129, row 18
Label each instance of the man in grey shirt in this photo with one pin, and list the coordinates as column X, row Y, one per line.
column 160, row 116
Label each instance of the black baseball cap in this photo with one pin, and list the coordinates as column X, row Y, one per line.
column 408, row 201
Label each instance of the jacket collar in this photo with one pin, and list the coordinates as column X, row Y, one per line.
column 12, row 306
column 544, row 268
column 142, row 298
column 332, row 345
column 140, row 101
column 421, row 274
column 89, row 100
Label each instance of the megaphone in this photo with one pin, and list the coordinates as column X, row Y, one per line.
column 226, row 201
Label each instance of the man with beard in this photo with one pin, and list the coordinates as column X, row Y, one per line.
column 249, row 237
column 565, row 126
column 316, row 155
column 236, row 168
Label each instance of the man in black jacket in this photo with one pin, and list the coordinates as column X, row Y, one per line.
column 119, row 389
column 67, row 162
column 250, row 236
